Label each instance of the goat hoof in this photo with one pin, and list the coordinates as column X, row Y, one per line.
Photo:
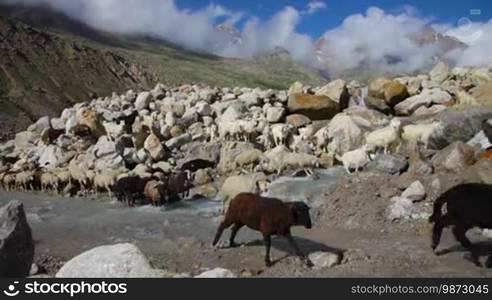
column 488, row 263
column 473, row 259
column 268, row 264
column 309, row 263
column 233, row 245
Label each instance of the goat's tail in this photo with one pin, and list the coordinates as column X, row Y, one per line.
column 437, row 213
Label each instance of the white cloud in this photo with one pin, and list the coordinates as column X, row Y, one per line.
column 279, row 31
column 387, row 41
column 375, row 37
column 194, row 29
column 314, row 6
column 479, row 38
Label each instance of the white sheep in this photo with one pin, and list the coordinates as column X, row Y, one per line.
column 266, row 138
column 107, row 180
column 307, row 133
column 63, row 175
column 384, row 137
column 300, row 161
column 247, row 129
column 237, row 130
column 9, row 181
column 81, row 175
column 249, row 158
column 24, row 180
column 281, row 133
column 322, row 139
column 280, row 158
column 213, row 132
column 355, row 159
column 228, row 130
column 49, row 180
column 169, row 119
column 419, row 133
column 114, row 130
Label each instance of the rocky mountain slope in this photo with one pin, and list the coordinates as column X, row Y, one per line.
column 42, row 71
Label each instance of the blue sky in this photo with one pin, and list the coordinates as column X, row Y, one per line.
column 355, row 32
column 450, row 11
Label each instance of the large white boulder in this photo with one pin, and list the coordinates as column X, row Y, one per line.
column 117, row 261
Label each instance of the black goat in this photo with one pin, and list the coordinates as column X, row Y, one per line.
column 468, row 205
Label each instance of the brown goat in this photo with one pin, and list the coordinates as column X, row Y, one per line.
column 155, row 191
column 49, row 135
column 178, row 184
column 128, row 188
column 81, row 130
column 270, row 216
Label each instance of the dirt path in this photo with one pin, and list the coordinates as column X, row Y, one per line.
column 178, row 239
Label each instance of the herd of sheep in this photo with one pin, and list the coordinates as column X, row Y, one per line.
column 154, row 146
column 131, row 145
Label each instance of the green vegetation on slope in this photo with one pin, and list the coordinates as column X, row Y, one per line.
column 44, row 71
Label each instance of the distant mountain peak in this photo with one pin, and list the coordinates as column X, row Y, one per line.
column 235, row 36
column 425, row 37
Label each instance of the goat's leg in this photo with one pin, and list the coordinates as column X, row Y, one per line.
column 109, row 192
column 298, row 251
column 439, row 225
column 459, row 232
column 268, row 243
column 234, row 231
column 347, row 168
column 223, row 225
column 436, row 235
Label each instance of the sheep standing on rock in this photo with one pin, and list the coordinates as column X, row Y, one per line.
column 249, row 158
column 114, row 130
column 266, row 138
column 247, row 129
column 270, row 216
column 281, row 133
column 384, row 137
column 213, row 132
column 419, row 133
column 229, row 130
column 355, row 159
column 322, row 139
column 468, row 205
